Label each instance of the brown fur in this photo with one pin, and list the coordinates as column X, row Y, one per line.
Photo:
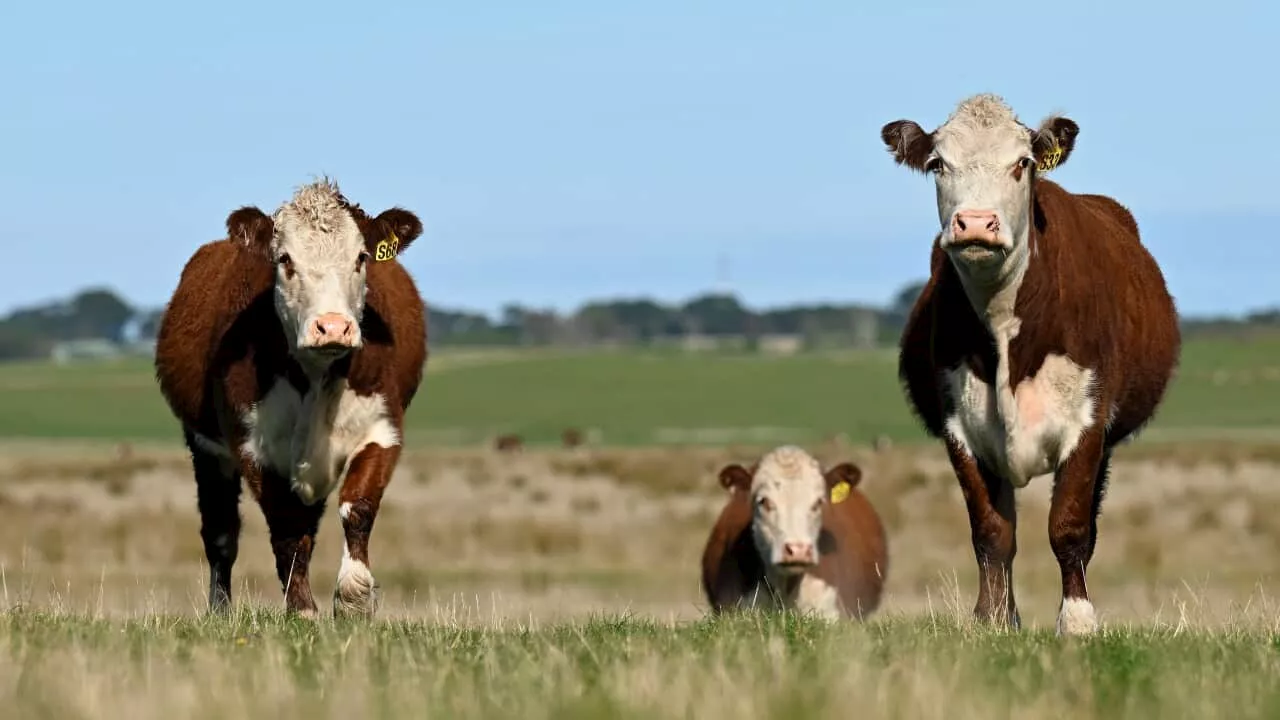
column 508, row 443
column 1091, row 292
column 852, row 547
column 571, row 438
column 219, row 349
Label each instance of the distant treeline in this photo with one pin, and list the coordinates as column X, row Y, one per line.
column 101, row 315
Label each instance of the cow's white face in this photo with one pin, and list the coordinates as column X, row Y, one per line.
column 787, row 491
column 320, row 246
column 984, row 163
column 320, row 257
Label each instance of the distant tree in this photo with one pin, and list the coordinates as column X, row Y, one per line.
column 717, row 314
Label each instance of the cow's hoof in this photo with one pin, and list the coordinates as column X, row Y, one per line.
column 1077, row 617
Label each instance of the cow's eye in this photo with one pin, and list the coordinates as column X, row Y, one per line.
column 361, row 259
column 934, row 165
column 765, row 504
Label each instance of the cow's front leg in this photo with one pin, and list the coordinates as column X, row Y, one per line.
column 356, row 592
column 993, row 522
column 292, row 525
column 1073, row 528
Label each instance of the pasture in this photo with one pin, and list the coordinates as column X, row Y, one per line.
column 564, row 582
column 1223, row 388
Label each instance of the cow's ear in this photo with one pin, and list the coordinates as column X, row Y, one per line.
column 391, row 232
column 250, row 227
column 845, row 472
column 734, row 478
column 909, row 144
column 1053, row 142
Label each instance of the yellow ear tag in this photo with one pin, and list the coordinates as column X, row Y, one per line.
column 840, row 492
column 386, row 249
column 1051, row 159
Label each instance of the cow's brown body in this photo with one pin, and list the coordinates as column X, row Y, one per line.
column 1092, row 293
column 853, row 559
column 221, row 348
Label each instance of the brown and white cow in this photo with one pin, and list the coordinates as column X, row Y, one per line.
column 289, row 352
column 794, row 537
column 1044, row 337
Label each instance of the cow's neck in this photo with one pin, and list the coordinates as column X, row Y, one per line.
column 783, row 587
column 993, row 294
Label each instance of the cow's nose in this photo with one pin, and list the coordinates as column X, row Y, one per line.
column 975, row 225
column 797, row 552
column 333, row 329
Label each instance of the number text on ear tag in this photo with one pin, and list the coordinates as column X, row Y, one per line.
column 386, row 249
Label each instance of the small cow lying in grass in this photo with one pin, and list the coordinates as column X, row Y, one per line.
column 794, row 537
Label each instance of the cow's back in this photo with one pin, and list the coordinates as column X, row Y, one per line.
column 217, row 285
column 854, row 553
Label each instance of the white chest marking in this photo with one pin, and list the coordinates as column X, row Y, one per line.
column 1026, row 431
column 311, row 439
column 812, row 595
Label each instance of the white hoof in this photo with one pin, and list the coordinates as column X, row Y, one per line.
column 356, row 593
column 1076, row 617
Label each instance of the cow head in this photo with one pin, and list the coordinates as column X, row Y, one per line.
column 787, row 490
column 984, row 163
column 321, row 245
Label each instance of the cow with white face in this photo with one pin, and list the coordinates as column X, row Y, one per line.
column 984, row 164
column 289, row 352
column 787, row 493
column 321, row 259
column 796, row 537
column 1044, row 337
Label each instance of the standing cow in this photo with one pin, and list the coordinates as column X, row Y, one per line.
column 1044, row 337
column 289, row 352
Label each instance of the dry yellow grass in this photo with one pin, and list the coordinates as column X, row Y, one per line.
column 505, row 578
column 555, row 534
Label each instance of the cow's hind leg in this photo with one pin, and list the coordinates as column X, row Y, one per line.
column 993, row 521
column 218, row 497
column 1073, row 529
column 356, row 591
column 293, row 526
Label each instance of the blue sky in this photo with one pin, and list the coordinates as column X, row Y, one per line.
column 558, row 150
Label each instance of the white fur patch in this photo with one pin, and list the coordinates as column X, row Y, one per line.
column 354, row 591
column 1026, row 432
column 312, row 439
column 818, row 597
column 1076, row 617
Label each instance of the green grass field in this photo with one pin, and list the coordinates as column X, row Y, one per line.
column 634, row 398
column 263, row 665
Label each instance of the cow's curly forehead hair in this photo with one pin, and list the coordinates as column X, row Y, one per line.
column 785, row 464
column 319, row 206
column 983, row 113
